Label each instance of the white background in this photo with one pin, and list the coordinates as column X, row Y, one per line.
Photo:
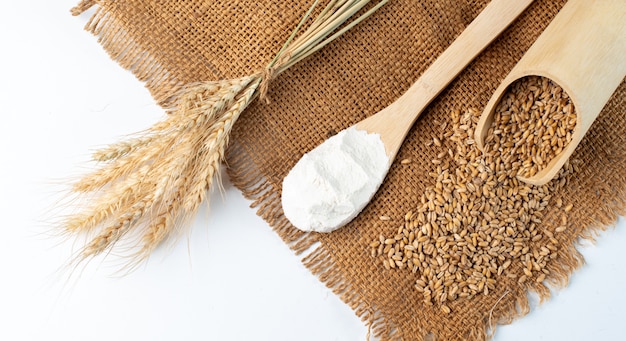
column 232, row 278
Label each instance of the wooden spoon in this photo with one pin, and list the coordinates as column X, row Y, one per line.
column 583, row 50
column 393, row 123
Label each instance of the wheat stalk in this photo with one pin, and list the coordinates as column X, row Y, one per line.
column 151, row 184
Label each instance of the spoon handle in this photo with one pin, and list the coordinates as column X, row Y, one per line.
column 394, row 122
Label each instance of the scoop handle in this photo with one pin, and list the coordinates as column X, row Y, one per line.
column 583, row 50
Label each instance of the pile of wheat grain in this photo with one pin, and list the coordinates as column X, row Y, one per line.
column 477, row 219
column 536, row 121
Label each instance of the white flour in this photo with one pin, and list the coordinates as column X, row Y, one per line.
column 331, row 184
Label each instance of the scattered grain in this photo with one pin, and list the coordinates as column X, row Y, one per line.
column 477, row 222
column 559, row 202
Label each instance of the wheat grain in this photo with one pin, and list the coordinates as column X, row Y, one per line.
column 477, row 221
column 538, row 119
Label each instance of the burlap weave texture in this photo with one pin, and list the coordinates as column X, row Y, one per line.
column 169, row 44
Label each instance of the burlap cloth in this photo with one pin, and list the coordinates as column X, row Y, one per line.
column 170, row 43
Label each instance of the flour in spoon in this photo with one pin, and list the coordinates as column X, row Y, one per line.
column 331, row 184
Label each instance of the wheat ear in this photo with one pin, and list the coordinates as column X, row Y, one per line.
column 151, row 184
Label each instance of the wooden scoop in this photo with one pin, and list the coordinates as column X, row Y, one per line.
column 314, row 198
column 583, row 50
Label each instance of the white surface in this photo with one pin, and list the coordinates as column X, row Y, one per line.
column 233, row 279
column 339, row 177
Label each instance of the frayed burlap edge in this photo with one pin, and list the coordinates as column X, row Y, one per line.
column 123, row 49
column 265, row 196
